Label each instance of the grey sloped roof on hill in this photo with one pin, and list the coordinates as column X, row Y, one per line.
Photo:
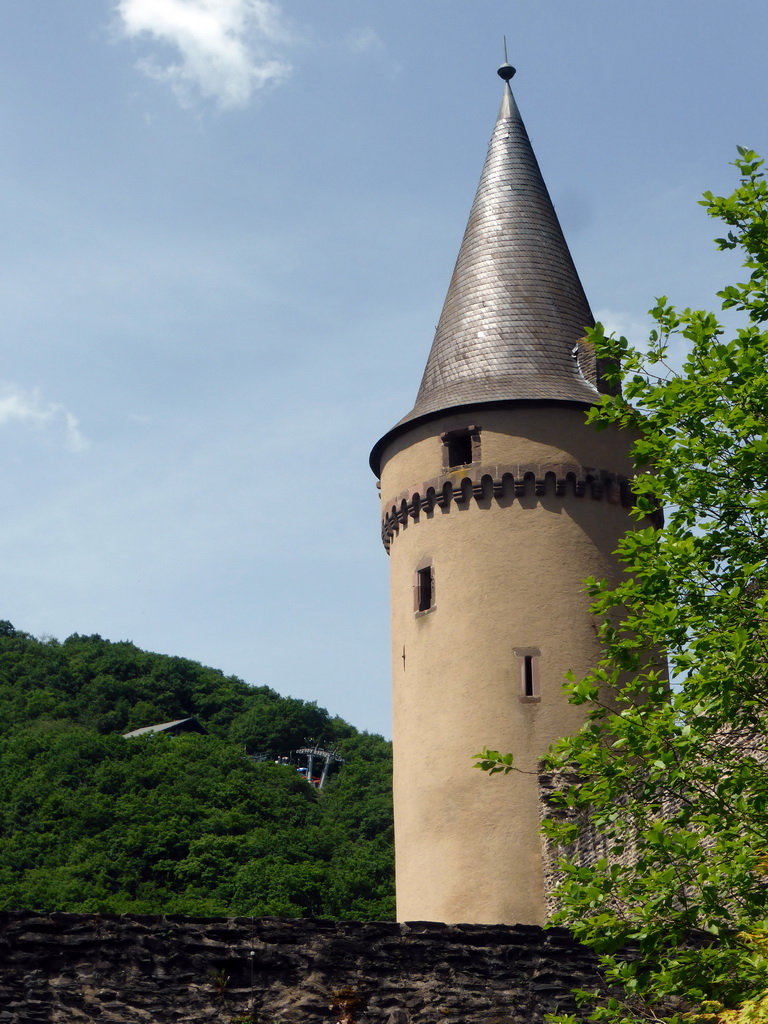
column 190, row 724
column 515, row 311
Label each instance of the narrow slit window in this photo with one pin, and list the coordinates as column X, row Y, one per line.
column 529, row 688
column 528, row 675
column 424, row 589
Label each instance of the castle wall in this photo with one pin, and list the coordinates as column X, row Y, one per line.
column 83, row 969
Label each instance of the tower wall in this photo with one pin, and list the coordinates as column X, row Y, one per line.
column 506, row 542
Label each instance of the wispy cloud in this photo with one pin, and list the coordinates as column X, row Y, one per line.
column 16, row 404
column 361, row 40
column 225, row 49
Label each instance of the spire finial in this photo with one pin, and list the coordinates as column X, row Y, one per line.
column 506, row 71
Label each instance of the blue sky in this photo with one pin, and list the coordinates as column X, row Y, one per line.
column 228, row 228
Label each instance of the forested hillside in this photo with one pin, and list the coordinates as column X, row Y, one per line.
column 90, row 821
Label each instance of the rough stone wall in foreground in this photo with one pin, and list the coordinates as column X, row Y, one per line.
column 76, row 968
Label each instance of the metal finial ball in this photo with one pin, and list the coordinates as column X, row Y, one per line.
column 506, row 71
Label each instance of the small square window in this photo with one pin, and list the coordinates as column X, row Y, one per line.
column 461, row 447
column 459, row 450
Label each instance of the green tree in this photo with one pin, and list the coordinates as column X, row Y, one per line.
column 90, row 821
column 675, row 779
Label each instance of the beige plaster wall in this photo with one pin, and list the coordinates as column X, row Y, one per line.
column 508, row 574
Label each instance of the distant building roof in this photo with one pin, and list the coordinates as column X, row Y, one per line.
column 180, row 725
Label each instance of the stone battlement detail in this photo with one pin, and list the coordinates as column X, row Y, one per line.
column 502, row 483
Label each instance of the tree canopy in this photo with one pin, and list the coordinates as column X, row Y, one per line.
column 192, row 824
column 674, row 779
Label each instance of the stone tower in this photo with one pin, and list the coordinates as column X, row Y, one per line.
column 497, row 501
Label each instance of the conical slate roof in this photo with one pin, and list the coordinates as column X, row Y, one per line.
column 515, row 311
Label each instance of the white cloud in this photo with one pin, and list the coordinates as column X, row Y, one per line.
column 28, row 407
column 225, row 48
column 360, row 40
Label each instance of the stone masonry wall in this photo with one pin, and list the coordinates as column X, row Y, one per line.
column 131, row 969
